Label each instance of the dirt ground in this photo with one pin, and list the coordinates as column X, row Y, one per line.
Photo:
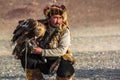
column 95, row 35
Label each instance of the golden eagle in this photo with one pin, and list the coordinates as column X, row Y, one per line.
column 26, row 31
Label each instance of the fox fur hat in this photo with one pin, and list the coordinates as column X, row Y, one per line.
column 55, row 9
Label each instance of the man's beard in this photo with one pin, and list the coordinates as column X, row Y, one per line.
column 56, row 25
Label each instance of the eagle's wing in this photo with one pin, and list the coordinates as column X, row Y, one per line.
column 23, row 27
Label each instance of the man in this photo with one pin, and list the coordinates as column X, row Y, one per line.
column 54, row 48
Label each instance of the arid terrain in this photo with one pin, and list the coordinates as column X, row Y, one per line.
column 95, row 36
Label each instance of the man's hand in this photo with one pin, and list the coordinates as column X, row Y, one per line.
column 37, row 50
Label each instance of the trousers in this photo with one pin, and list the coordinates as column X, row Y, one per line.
column 34, row 62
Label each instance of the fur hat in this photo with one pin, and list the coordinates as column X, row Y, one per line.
column 55, row 9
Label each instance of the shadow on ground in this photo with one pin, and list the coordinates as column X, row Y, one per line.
column 98, row 74
column 17, row 77
column 93, row 74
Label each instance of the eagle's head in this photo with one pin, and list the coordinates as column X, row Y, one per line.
column 40, row 29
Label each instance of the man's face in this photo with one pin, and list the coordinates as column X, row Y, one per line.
column 56, row 20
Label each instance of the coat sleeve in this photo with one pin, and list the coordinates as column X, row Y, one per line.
column 62, row 47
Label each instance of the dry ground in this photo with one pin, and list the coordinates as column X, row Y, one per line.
column 95, row 28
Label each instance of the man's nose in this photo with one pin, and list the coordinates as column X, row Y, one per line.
column 58, row 20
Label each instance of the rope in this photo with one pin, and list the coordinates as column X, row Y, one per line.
column 26, row 49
